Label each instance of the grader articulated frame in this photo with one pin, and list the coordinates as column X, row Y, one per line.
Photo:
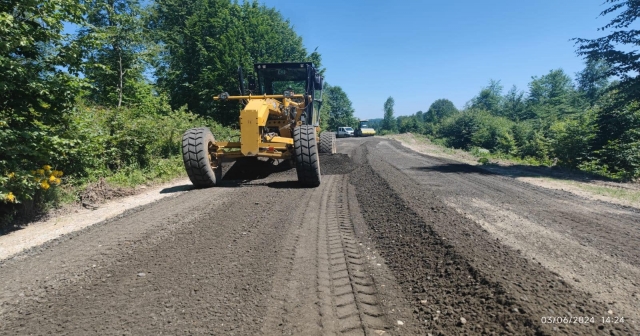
column 276, row 123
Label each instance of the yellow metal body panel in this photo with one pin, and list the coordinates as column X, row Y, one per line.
column 258, row 97
column 278, row 139
column 252, row 118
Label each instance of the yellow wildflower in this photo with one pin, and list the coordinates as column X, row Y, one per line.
column 46, row 167
column 11, row 175
column 57, row 173
column 57, row 181
column 44, row 185
column 40, row 171
column 52, row 178
column 10, row 197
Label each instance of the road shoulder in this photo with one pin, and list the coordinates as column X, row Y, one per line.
column 40, row 232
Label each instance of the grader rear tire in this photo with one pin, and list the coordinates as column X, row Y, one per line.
column 328, row 142
column 306, row 155
column 196, row 158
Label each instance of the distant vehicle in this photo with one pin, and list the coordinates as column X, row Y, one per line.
column 364, row 129
column 344, row 132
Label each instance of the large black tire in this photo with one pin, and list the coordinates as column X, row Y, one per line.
column 328, row 142
column 197, row 161
column 306, row 155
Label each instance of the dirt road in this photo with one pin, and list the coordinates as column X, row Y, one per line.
column 392, row 243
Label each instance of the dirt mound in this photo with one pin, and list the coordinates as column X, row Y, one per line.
column 101, row 191
column 457, row 277
column 336, row 164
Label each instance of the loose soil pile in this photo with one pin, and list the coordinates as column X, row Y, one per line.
column 458, row 277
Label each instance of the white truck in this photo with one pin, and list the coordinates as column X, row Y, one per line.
column 344, row 132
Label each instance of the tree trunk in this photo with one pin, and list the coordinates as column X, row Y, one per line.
column 120, row 85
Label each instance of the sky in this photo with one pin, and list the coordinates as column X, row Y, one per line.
column 423, row 50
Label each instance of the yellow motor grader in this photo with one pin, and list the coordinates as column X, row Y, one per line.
column 279, row 121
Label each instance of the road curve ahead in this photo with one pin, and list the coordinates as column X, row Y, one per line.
column 392, row 243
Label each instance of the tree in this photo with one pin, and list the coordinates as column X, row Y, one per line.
column 113, row 43
column 339, row 109
column 618, row 49
column 388, row 123
column 593, row 80
column 552, row 95
column 489, row 99
column 37, row 95
column 204, row 42
column 514, row 105
column 440, row 109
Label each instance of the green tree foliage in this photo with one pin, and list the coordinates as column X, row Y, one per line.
column 339, row 112
column 616, row 142
column 204, row 42
column 619, row 48
column 579, row 126
column 489, row 98
column 439, row 110
column 37, row 94
column 115, row 49
column 479, row 128
column 570, row 139
column 593, row 80
column 514, row 105
column 553, row 95
column 389, row 123
column 410, row 124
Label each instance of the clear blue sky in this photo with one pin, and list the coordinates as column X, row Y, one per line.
column 420, row 51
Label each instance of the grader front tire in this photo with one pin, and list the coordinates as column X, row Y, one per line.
column 328, row 142
column 306, row 155
column 197, row 160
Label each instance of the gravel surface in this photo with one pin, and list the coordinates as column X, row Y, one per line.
column 392, row 243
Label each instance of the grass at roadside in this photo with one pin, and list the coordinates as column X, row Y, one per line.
column 158, row 171
column 630, row 195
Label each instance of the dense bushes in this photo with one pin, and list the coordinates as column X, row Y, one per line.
column 556, row 123
column 128, row 146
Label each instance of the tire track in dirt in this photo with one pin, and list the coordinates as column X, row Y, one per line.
column 321, row 287
column 459, row 278
column 355, row 294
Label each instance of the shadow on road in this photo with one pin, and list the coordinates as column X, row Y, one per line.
column 170, row 190
column 285, row 185
column 454, row 168
column 515, row 171
column 250, row 169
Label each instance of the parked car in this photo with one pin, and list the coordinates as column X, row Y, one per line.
column 344, row 132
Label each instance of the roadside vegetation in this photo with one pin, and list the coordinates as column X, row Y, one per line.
column 102, row 90
column 588, row 122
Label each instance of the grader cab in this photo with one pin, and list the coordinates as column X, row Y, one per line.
column 279, row 121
